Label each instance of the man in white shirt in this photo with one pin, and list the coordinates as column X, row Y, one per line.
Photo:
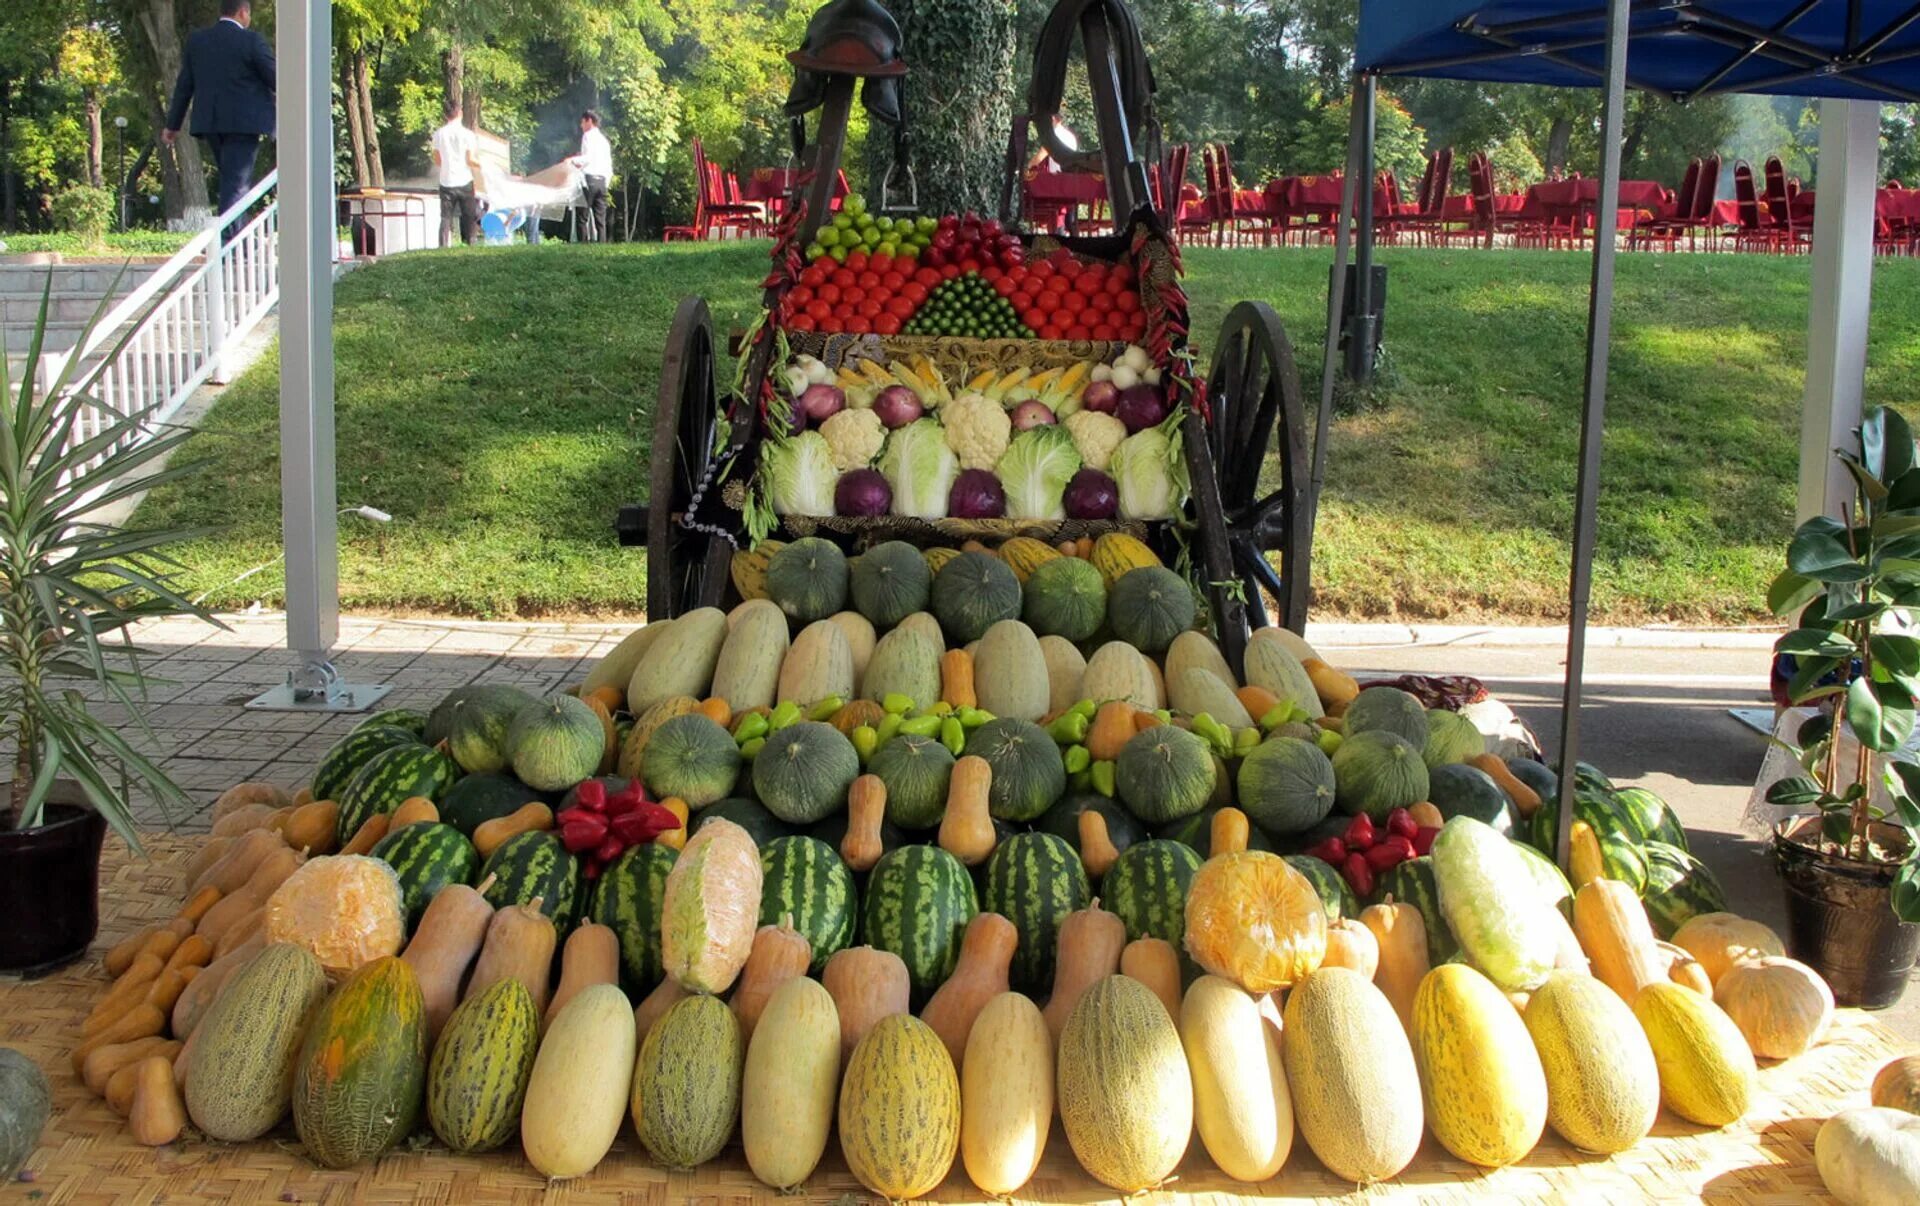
column 454, row 151
column 595, row 162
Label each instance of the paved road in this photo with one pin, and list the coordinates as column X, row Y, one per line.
column 1656, row 718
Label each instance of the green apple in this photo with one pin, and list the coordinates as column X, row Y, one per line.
column 828, row 236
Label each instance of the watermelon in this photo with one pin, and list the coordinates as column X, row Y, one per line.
column 1390, row 710
column 890, row 582
column 1649, row 817
column 1543, row 781
column 627, row 899
column 440, row 721
column 389, row 779
column 915, row 770
column 1286, row 785
column 1034, row 880
column 1063, row 820
column 399, row 718
column 1336, row 897
column 1197, row 831
column 477, row 736
column 1459, row 790
column 1412, row 883
column 1595, row 807
column 1065, row 597
column 1147, row 889
column 692, row 758
column 1586, row 775
column 918, row 902
column 804, row 884
column 1377, row 772
column 556, row 742
column 1679, row 887
column 803, row 772
column 477, row 799
column 752, row 816
column 1621, row 858
column 535, row 864
column 1165, row 773
column 1149, row 607
column 808, row 579
column 972, row 593
column 1028, row 773
column 426, row 858
column 345, row 757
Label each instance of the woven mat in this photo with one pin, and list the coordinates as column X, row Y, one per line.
column 85, row 1155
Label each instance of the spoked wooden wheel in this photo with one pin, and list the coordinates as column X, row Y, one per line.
column 1254, row 393
column 685, row 568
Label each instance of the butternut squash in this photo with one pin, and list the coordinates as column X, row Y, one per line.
column 966, row 831
column 489, row 836
column 1351, row 944
column 206, row 855
column 120, row 1086
column 956, row 681
column 1097, row 852
column 1683, row 969
column 445, row 945
column 591, row 956
column 414, row 810
column 986, row 954
column 198, row 997
column 103, row 1062
column 268, row 875
column 130, row 989
column 142, row 1021
column 675, row 838
column 779, row 953
column 231, row 871
column 368, row 836
column 192, row 951
column 866, row 985
column 1091, row 940
column 158, row 1115
column 1228, row 832
column 302, row 796
column 656, row 1003
column 861, row 846
column 1154, row 963
column 519, row 946
column 610, row 697
column 1426, row 815
column 241, row 932
column 1400, row 936
column 198, row 904
column 1112, row 728
column 1613, row 929
column 243, row 795
column 1526, row 801
column 166, row 990
column 1335, row 689
column 121, row 955
column 244, row 818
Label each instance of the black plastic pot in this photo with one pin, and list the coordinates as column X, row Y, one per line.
column 1839, row 919
column 49, row 885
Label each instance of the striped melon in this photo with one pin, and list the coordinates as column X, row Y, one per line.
column 628, row 899
column 747, row 674
column 633, row 748
column 1485, row 1093
column 556, row 742
column 1356, row 1090
column 1125, row 1093
column 388, row 779
column 363, row 1066
column 1034, row 880
column 477, row 738
column 972, row 593
column 1148, row 607
column 900, row 1109
column 480, row 1067
column 240, row 1071
column 1024, row 555
column 791, row 1079
column 686, row 1085
column 1115, row 553
column 1603, row 1087
column 918, row 902
column 808, row 579
column 425, row 859
column 536, row 865
column 803, row 772
column 1147, row 889
column 398, row 718
column 803, row 881
column 680, row 662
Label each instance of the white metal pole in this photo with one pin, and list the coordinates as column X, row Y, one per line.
column 215, row 281
column 1842, row 298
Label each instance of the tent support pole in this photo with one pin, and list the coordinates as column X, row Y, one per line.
column 1838, row 314
column 1606, row 220
column 1360, row 177
column 1336, row 303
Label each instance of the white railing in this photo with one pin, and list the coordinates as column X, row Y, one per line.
column 168, row 337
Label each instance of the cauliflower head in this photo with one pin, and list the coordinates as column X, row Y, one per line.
column 977, row 430
column 853, row 438
column 1096, row 435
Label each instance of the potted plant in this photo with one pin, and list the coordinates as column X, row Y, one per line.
column 71, row 588
column 1850, row 855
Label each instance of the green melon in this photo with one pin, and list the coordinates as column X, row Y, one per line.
column 1458, row 790
column 972, row 593
column 26, row 1103
column 362, row 1071
column 1679, row 888
column 536, row 865
column 556, row 742
column 686, row 1082
column 1286, row 785
column 439, row 724
column 1034, row 880
column 1548, row 880
column 917, row 904
column 916, row 771
column 1390, row 710
column 1197, row 831
column 1377, row 772
column 808, row 579
column 241, row 1068
column 481, row 1062
column 1028, row 772
column 1065, row 597
column 751, row 815
column 477, row 799
column 693, row 758
column 804, row 884
column 1149, row 607
column 1063, row 820
column 803, row 772
column 1146, row 888
column 426, row 858
column 1165, row 773
column 1451, row 737
column 1336, row 897
column 890, row 582
column 477, row 738
column 627, row 899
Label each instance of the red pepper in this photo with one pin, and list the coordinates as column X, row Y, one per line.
column 1358, row 874
column 585, row 831
column 1383, row 857
column 1403, row 846
column 644, row 823
column 591, row 795
column 1400, row 823
column 592, row 869
column 1423, row 841
column 609, row 850
column 1359, row 834
column 1333, row 851
column 627, row 798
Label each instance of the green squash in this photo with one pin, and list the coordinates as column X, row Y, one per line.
column 803, row 772
column 1149, row 607
column 1065, row 597
column 972, row 593
column 1451, row 737
column 693, row 758
column 1286, row 785
column 1377, row 772
column 890, row 582
column 1165, row 773
column 916, row 771
column 1390, row 710
column 556, row 742
column 1028, row 772
column 808, row 579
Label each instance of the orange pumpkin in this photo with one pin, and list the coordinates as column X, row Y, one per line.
column 1255, row 920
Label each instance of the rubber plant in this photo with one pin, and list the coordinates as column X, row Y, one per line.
column 72, row 587
column 1853, row 582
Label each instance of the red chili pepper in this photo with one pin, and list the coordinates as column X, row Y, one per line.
column 591, row 795
column 1333, row 851
column 1359, row 834
column 1403, row 846
column 627, row 798
column 609, row 850
column 1384, row 856
column 583, row 832
column 1358, row 874
column 644, row 823
column 1423, row 841
column 1401, row 823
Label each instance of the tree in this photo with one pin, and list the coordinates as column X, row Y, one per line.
column 152, row 65
column 30, row 33
column 88, row 62
column 359, row 27
column 958, row 100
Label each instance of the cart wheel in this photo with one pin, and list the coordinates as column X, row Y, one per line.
column 1254, row 392
column 685, row 568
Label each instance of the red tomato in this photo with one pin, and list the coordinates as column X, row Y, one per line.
column 1034, row 317
column 1047, row 300
column 857, row 260
column 845, row 277
column 1080, row 331
column 1068, row 271
column 915, row 291
column 870, row 308
column 858, row 325
column 880, row 262
column 969, row 265
column 1003, row 287
column 1127, row 303
column 869, row 280
column 1021, row 299
column 818, row 273
column 799, row 296
column 903, row 307
column 892, row 281
column 1051, row 331
column 991, row 274
column 829, row 293
column 832, row 326
column 1118, row 284
column 1123, row 273
column 887, row 324
column 853, row 296
column 1106, row 330
column 800, row 322
column 949, row 272
column 1091, row 279
column 1101, row 303
column 927, row 278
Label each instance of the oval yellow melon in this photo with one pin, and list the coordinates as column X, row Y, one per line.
column 792, row 1077
column 1706, row 1068
column 1240, row 1101
column 1603, row 1088
column 1126, row 1098
column 1485, row 1092
column 900, row 1109
column 1356, row 1091
column 577, row 1094
column 1006, row 1094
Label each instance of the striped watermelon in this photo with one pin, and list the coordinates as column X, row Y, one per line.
column 481, row 1063
column 1147, row 888
column 1335, row 896
column 1679, row 887
column 1034, row 880
column 626, row 899
column 398, row 718
column 389, row 779
column 1412, row 882
column 440, row 720
column 918, row 902
column 1622, row 859
column 1649, row 817
column 1597, row 808
column 346, row 756
column 536, row 864
column 425, row 859
column 803, row 879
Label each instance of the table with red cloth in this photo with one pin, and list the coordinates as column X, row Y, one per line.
column 1573, row 201
column 770, row 187
column 1458, row 207
column 1057, row 198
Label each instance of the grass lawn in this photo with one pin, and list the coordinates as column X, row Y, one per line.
column 493, row 400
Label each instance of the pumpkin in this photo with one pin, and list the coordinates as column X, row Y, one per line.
column 1091, row 941
column 1150, row 606
column 1718, row 940
column 1870, row 1156
column 1897, row 1085
column 1780, row 1004
column 1154, row 963
column 986, row 954
column 1352, row 945
column 1254, row 920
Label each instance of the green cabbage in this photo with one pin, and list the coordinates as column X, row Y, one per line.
column 920, row 468
column 800, row 474
column 1035, row 470
column 1150, row 474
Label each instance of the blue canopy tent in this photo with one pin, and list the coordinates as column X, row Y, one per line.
column 1853, row 53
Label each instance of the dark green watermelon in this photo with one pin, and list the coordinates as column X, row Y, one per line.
column 1336, row 897
column 1197, row 831
column 1649, row 817
column 752, row 816
column 1536, row 775
column 389, row 779
column 477, row 799
column 627, row 899
column 917, row 904
column 1034, row 880
column 426, row 858
column 1459, row 790
column 804, row 884
column 345, row 757
column 535, row 864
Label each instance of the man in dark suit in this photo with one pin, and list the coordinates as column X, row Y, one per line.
column 227, row 73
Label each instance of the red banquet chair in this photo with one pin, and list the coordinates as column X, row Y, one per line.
column 1790, row 233
column 712, row 210
column 1754, row 232
column 1667, row 228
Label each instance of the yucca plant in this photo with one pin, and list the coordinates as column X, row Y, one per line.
column 71, row 588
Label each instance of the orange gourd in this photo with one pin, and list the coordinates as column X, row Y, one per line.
column 1335, row 689
column 268, row 875
column 1091, row 940
column 611, row 698
column 861, row 846
column 1426, row 815
column 1585, row 862
column 489, row 836
column 414, row 810
column 314, row 827
column 1254, row 920
column 141, row 1021
column 245, row 795
column 718, row 710
column 956, row 684
column 1227, row 833
column 197, row 905
column 609, row 735
column 866, row 985
column 861, row 711
column 1683, row 969
column 1613, row 929
column 591, row 956
column 1526, row 801
column 986, row 952
column 1154, row 963
column 166, row 991
column 519, row 946
column 664, row 996
column 1780, row 1004
column 444, row 945
column 244, row 818
column 1258, row 701
column 206, row 855
column 675, row 838
column 103, row 1063
column 122, row 954
column 966, row 831
column 241, row 932
column 368, row 836
column 1400, row 934
column 198, row 997
column 1111, row 729
column 1351, row 944
column 157, row 1115
column 779, row 954
column 1097, row 852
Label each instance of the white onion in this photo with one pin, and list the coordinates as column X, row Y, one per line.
column 1136, row 358
column 1125, row 376
column 1102, row 372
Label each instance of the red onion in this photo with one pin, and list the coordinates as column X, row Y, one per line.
column 1101, row 396
column 862, row 492
column 897, row 406
column 1140, row 407
column 976, row 494
column 1032, row 413
column 822, row 402
column 1091, row 495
